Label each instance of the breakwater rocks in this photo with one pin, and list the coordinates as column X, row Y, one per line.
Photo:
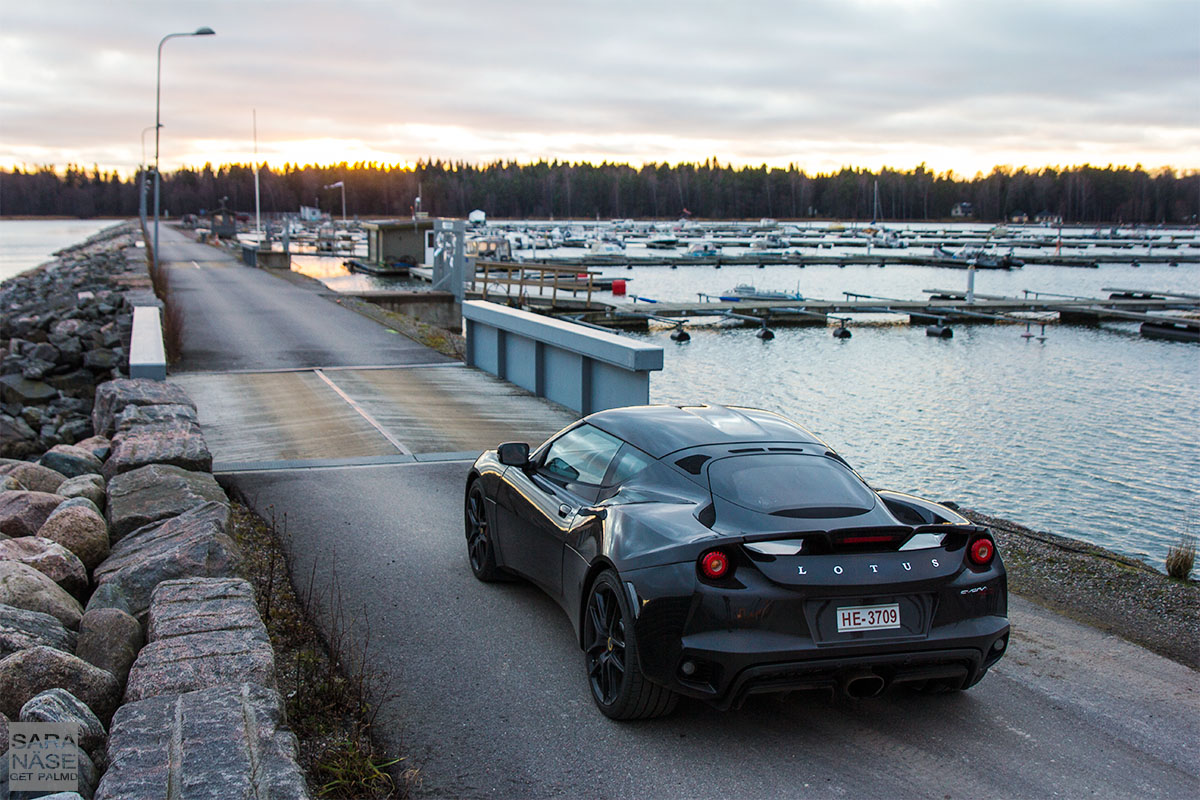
column 121, row 611
column 64, row 327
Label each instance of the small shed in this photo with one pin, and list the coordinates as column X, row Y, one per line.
column 398, row 241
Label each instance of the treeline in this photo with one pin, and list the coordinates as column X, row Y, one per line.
column 544, row 190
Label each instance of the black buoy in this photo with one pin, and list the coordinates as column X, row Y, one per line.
column 765, row 333
column 680, row 335
column 939, row 331
column 761, row 265
column 841, row 333
column 629, row 266
column 674, row 266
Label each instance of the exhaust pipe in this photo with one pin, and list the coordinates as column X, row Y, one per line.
column 862, row 685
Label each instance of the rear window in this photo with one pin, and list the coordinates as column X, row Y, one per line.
column 790, row 485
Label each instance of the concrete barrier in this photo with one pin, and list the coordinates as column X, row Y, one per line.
column 581, row 368
column 254, row 256
column 147, row 355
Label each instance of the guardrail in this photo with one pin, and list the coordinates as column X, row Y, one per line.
column 147, row 355
column 583, row 369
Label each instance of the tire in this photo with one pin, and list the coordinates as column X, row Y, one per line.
column 615, row 679
column 481, row 553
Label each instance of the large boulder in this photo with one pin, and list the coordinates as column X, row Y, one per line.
column 88, row 778
column 21, row 629
column 71, row 461
column 110, row 639
column 203, row 632
column 34, row 477
column 178, row 443
column 59, row 705
column 93, row 487
column 81, row 530
column 23, row 513
column 99, row 446
column 113, row 397
column 138, row 416
column 156, row 492
column 16, row 437
column 24, row 587
column 27, row 673
column 195, row 544
column 231, row 742
column 3, row 736
column 51, row 559
column 20, row 390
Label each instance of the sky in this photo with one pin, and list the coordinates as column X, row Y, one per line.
column 960, row 85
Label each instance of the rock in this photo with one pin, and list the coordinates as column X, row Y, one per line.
column 178, row 443
column 101, row 360
column 194, row 544
column 110, row 639
column 73, row 430
column 92, row 487
column 99, row 446
column 76, row 382
column 232, row 743
column 204, row 632
column 59, row 705
column 21, row 629
column 24, row 587
column 152, row 493
column 34, row 477
column 51, row 559
column 21, row 390
column 71, row 461
column 135, row 416
column 22, row 513
column 88, row 774
column 30, row 672
column 82, row 531
column 16, row 437
column 77, row 502
column 3, row 737
column 10, row 484
column 114, row 396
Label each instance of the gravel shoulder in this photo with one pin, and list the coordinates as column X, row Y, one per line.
column 1109, row 591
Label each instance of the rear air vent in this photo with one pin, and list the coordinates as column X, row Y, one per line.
column 786, row 449
column 749, row 450
column 693, row 464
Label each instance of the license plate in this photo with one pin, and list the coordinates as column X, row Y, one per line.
column 868, row 618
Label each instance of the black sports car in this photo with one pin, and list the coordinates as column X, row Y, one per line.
column 718, row 552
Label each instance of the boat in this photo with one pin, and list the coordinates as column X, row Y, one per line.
column 767, row 241
column 662, row 242
column 376, row 268
column 977, row 257
column 748, row 291
column 702, row 250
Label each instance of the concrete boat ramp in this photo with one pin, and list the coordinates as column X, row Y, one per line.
column 361, row 440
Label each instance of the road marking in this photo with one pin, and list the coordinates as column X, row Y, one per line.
column 196, row 265
column 363, row 413
column 369, row 462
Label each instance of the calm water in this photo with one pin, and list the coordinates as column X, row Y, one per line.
column 1091, row 433
column 25, row 244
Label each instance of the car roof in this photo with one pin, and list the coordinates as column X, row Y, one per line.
column 661, row 430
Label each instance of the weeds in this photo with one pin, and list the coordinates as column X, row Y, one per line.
column 1181, row 558
column 331, row 695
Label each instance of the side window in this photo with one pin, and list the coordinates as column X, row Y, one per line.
column 629, row 462
column 581, row 455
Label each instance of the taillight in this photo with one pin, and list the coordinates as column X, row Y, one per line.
column 715, row 565
column 982, row 551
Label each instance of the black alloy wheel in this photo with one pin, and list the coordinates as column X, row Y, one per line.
column 618, row 686
column 480, row 551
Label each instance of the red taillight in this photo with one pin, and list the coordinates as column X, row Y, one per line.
column 868, row 539
column 714, row 565
column 982, row 551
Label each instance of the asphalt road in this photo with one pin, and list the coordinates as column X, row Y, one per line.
column 485, row 688
column 245, row 319
column 488, row 695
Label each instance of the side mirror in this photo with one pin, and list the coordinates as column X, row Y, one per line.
column 513, row 454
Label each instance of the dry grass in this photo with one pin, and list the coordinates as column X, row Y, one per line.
column 1181, row 558
column 330, row 693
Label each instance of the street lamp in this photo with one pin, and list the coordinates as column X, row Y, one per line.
column 142, row 180
column 158, row 123
column 342, row 186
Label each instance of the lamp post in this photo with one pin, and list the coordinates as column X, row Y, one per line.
column 142, row 180
column 342, row 186
column 158, row 123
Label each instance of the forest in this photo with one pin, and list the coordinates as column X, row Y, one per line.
column 557, row 190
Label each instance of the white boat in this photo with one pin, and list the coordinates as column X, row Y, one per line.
column 767, row 241
column 748, row 291
column 702, row 250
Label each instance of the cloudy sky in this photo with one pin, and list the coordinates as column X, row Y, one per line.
column 955, row 84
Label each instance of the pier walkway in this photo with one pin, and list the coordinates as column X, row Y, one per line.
column 485, row 689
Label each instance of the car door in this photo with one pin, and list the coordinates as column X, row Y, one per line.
column 546, row 499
